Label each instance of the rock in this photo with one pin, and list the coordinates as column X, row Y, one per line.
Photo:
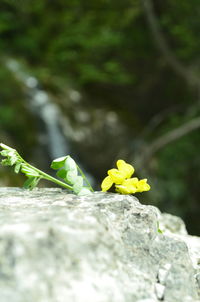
column 173, row 224
column 57, row 247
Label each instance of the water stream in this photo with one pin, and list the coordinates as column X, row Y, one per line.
column 41, row 105
column 52, row 134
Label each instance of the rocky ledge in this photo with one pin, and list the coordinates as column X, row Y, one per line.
column 57, row 247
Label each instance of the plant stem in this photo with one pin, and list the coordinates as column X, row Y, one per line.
column 43, row 174
column 46, row 176
column 84, row 177
column 51, row 178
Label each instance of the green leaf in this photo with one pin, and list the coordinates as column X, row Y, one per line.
column 71, row 177
column 13, row 160
column 17, row 167
column 11, row 153
column 6, row 162
column 28, row 182
column 58, row 163
column 4, row 153
column 5, row 147
column 70, row 164
column 29, row 171
column 31, row 183
column 62, row 173
column 84, row 191
column 78, row 185
column 68, row 170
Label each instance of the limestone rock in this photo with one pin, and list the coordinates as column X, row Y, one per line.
column 57, row 247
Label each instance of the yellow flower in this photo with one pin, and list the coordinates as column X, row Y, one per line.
column 121, row 177
column 125, row 168
column 142, row 185
column 133, row 185
column 128, row 186
column 106, row 184
column 117, row 176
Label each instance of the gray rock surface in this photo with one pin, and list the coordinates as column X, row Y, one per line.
column 57, row 247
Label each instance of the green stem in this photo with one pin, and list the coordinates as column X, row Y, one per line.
column 84, row 177
column 46, row 176
column 51, row 178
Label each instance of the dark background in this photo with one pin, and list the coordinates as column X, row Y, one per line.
column 104, row 80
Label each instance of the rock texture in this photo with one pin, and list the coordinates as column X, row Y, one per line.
column 57, row 247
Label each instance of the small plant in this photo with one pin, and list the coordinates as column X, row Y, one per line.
column 121, row 177
column 72, row 176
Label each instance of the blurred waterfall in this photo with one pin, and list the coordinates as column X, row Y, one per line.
column 47, row 111
column 52, row 135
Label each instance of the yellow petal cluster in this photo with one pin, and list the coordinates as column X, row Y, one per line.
column 121, row 177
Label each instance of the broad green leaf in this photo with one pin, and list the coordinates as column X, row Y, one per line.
column 62, row 173
column 84, row 191
column 71, row 177
column 70, row 164
column 78, row 185
column 58, row 163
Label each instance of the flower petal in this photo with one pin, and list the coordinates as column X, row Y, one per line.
column 131, row 181
column 142, row 185
column 121, row 189
column 125, row 168
column 126, row 189
column 116, row 176
column 106, row 184
column 129, row 186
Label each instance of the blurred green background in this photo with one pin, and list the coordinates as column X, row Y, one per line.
column 104, row 80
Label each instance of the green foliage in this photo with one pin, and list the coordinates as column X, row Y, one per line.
column 88, row 37
column 68, row 171
column 107, row 50
column 58, row 163
column 98, row 41
column 31, row 182
column 180, row 20
column 34, row 175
